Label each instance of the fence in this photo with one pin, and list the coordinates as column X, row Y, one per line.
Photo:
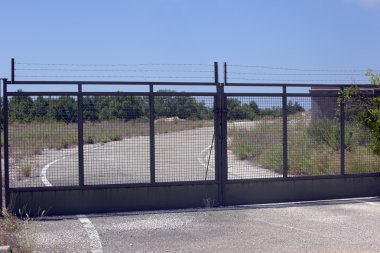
column 81, row 151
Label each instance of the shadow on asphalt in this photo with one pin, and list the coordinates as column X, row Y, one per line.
column 223, row 208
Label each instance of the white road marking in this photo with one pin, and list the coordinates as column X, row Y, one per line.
column 201, row 156
column 96, row 245
column 43, row 174
column 44, row 171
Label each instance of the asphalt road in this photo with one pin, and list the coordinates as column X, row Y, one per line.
column 324, row 226
column 179, row 156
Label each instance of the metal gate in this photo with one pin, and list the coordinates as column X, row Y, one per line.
column 99, row 151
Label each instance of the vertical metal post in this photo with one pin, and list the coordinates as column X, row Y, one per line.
column 13, row 70
column 284, row 132
column 342, row 135
column 6, row 151
column 225, row 73
column 151, row 135
column 1, row 168
column 217, row 133
column 80, row 136
column 223, row 135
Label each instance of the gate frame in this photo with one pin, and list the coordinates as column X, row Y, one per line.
column 163, row 195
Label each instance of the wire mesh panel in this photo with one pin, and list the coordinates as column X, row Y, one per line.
column 184, row 138
column 42, row 140
column 116, row 140
column 362, row 154
column 313, row 136
column 254, row 130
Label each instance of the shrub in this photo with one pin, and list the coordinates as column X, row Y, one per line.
column 328, row 132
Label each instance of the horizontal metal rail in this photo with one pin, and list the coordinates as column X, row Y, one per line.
column 110, row 83
column 65, row 93
column 208, row 182
column 331, row 85
column 296, row 178
column 247, row 94
column 107, row 186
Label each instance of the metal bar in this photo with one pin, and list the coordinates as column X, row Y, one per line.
column 223, row 136
column 223, row 129
column 217, row 124
column 26, row 93
column 225, row 73
column 299, row 178
column 279, row 94
column 1, row 166
column 108, row 186
column 332, row 85
column 284, row 132
column 200, row 94
column 115, row 83
column 6, row 147
column 342, row 136
column 152, row 136
column 184, row 94
column 118, row 93
column 80, row 136
column 13, row 70
column 202, row 182
column 33, row 93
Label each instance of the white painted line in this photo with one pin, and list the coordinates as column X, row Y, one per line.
column 43, row 174
column 44, row 171
column 96, row 245
column 201, row 156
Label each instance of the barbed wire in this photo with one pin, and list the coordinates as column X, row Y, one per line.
column 297, row 69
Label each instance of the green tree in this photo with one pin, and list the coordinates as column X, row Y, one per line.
column 365, row 110
column 102, row 105
column 237, row 110
column 90, row 112
column 63, row 109
column 185, row 107
column 20, row 108
column 39, row 109
column 294, row 107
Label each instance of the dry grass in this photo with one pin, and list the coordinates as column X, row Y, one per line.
column 310, row 152
column 14, row 232
column 26, row 171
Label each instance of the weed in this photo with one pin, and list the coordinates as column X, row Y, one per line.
column 313, row 148
column 208, row 202
column 26, row 171
column 88, row 139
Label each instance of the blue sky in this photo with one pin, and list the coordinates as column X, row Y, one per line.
column 311, row 35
